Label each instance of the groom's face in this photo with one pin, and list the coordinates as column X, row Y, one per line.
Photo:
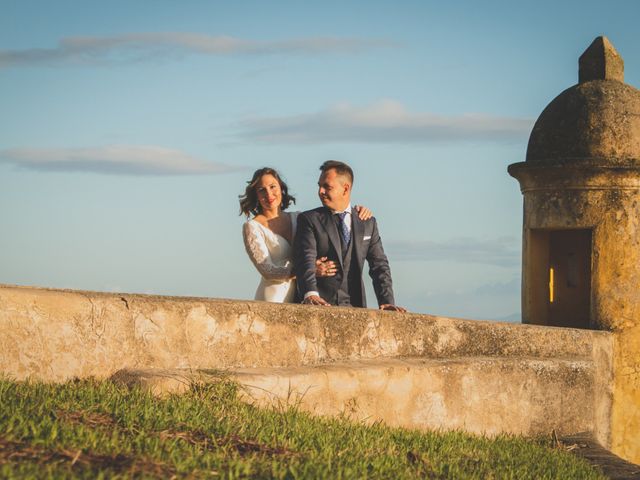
column 334, row 190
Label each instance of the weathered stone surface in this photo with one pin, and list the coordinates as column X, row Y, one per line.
column 58, row 334
column 582, row 172
column 625, row 411
column 600, row 61
column 55, row 335
column 607, row 201
column 597, row 122
column 481, row 395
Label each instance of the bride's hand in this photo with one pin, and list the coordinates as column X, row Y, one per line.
column 325, row 268
column 363, row 212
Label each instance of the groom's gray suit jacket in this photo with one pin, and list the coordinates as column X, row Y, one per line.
column 317, row 236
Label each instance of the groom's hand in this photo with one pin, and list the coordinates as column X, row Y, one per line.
column 393, row 308
column 315, row 300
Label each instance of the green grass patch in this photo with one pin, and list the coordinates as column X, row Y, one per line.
column 89, row 429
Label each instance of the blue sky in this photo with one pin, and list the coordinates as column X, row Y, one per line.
column 128, row 130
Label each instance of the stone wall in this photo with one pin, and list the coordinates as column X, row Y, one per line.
column 479, row 376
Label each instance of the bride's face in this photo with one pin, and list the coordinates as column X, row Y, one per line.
column 269, row 193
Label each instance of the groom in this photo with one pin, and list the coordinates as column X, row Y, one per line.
column 335, row 231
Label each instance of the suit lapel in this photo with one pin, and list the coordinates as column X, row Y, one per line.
column 332, row 232
column 357, row 234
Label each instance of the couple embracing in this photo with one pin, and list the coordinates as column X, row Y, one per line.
column 314, row 257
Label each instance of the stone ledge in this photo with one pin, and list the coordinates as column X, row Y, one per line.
column 481, row 395
column 56, row 335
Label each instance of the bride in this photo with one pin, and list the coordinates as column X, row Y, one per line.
column 268, row 236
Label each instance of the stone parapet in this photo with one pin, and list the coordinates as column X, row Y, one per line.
column 60, row 334
column 55, row 335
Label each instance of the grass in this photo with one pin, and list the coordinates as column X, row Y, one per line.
column 94, row 430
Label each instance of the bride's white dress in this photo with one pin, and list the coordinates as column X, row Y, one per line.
column 272, row 255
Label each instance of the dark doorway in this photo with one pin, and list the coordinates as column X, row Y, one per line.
column 560, row 277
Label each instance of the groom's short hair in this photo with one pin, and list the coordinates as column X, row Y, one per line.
column 341, row 168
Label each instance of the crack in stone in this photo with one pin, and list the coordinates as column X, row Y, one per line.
column 95, row 327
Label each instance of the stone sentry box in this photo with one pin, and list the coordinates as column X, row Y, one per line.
column 581, row 248
column 581, row 187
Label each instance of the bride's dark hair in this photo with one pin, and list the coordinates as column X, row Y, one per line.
column 249, row 203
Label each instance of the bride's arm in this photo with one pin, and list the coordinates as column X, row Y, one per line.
column 258, row 252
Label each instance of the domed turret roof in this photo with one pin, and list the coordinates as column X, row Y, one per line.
column 595, row 122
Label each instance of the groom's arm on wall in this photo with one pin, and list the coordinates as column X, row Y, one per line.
column 379, row 269
column 304, row 256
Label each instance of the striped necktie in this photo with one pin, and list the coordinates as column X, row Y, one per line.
column 344, row 230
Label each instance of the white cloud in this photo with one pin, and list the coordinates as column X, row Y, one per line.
column 116, row 159
column 501, row 252
column 383, row 121
column 153, row 46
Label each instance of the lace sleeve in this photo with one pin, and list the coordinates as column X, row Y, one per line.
column 256, row 248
